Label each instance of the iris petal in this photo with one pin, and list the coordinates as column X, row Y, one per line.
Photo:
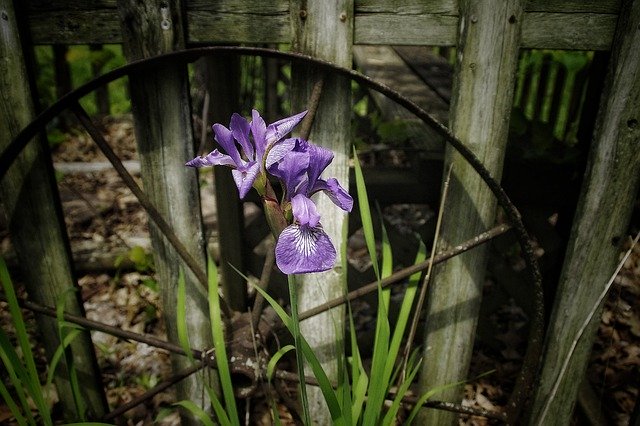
column 214, row 158
column 279, row 129
column 240, row 130
column 226, row 141
column 319, row 159
column 259, row 131
column 335, row 192
column 291, row 170
column 244, row 178
column 278, row 150
column 302, row 249
column 305, row 211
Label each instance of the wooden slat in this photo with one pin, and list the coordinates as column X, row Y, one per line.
column 325, row 30
column 586, row 31
column 32, row 207
column 550, row 25
column 75, row 26
column 568, row 6
column 407, row 7
column 487, row 60
column 225, row 27
column 391, row 28
column 162, row 115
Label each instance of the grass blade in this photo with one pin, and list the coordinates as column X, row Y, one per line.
column 53, row 365
column 219, row 344
column 390, row 417
column 365, row 214
column 68, row 355
column 11, row 362
column 271, row 366
column 181, row 320
column 221, row 414
column 323, row 381
column 359, row 378
column 196, row 411
column 425, row 397
column 31, row 380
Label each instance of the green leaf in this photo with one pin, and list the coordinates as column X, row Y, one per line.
column 425, row 397
column 196, row 411
column 365, row 215
column 63, row 327
column 11, row 363
column 323, row 380
column 31, row 380
column 271, row 366
column 53, row 365
column 390, row 417
column 219, row 344
column 405, row 312
column 222, row 415
column 181, row 320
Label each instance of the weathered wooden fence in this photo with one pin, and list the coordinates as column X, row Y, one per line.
column 488, row 37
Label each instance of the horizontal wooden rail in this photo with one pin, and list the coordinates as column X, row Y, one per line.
column 547, row 24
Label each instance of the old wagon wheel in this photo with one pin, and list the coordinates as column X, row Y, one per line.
column 70, row 101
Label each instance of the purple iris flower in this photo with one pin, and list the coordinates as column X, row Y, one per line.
column 248, row 162
column 303, row 246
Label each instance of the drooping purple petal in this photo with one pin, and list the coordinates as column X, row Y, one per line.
column 244, row 178
column 240, row 131
column 304, row 249
column 305, row 211
column 226, row 141
column 214, row 158
column 335, row 192
column 279, row 129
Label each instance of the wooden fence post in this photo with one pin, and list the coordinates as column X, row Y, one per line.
column 487, row 57
column 32, row 207
column 606, row 202
column 222, row 75
column 162, row 113
column 325, row 30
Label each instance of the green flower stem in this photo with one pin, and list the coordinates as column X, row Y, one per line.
column 297, row 337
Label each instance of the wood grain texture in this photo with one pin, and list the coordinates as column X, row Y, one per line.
column 325, row 30
column 606, row 202
column 162, row 115
column 586, row 31
column 484, row 79
column 32, row 208
column 219, row 27
column 552, row 24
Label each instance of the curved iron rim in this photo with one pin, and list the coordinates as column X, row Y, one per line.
column 529, row 369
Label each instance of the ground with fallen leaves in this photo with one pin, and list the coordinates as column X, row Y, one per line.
column 106, row 224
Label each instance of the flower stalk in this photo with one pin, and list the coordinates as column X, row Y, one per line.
column 255, row 151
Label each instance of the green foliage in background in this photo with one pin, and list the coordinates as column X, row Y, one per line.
column 81, row 61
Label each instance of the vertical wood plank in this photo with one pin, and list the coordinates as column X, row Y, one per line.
column 606, row 202
column 488, row 39
column 33, row 211
column 162, row 113
column 223, row 84
column 325, row 30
